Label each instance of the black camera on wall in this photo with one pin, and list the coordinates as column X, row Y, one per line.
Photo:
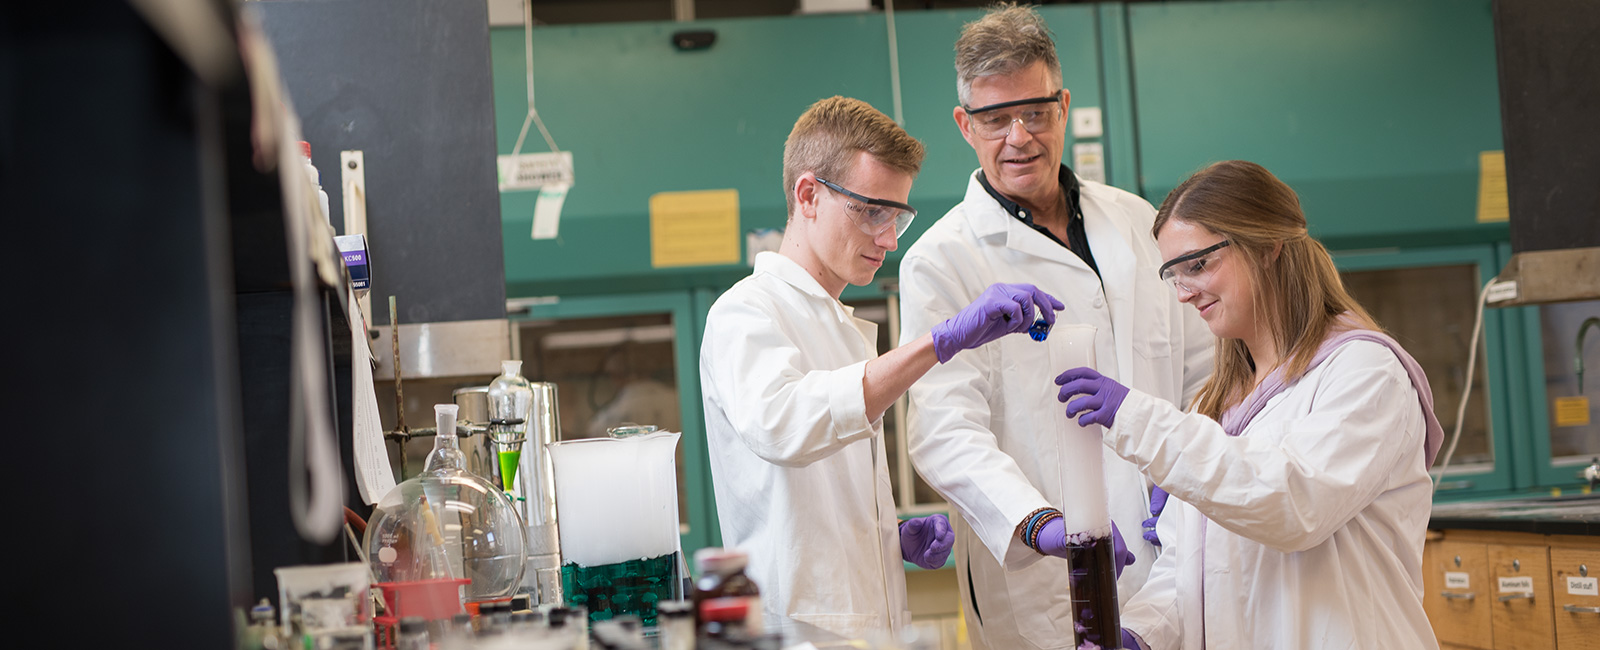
column 690, row 40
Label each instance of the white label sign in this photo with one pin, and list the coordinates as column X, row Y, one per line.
column 1582, row 586
column 1456, row 580
column 1522, row 585
column 535, row 170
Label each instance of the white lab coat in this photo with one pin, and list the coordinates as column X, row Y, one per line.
column 1317, row 514
column 985, row 426
column 800, row 476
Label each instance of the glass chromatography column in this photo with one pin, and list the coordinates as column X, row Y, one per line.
column 1090, row 560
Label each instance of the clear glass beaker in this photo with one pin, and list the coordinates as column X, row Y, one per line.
column 617, row 500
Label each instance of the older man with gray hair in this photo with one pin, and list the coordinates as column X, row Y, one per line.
column 985, row 427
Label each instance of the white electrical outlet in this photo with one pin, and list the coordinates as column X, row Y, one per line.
column 1086, row 122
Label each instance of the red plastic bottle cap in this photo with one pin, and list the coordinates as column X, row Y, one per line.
column 724, row 609
column 305, row 148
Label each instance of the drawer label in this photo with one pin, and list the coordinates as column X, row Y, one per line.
column 1522, row 585
column 1582, row 586
column 1456, row 580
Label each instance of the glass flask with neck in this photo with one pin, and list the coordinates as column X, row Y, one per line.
column 522, row 424
column 445, row 536
column 510, row 401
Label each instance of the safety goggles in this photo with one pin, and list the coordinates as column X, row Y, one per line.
column 1193, row 271
column 1037, row 115
column 873, row 216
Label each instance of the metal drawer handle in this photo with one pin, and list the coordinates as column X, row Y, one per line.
column 1579, row 609
column 1451, row 595
column 1518, row 596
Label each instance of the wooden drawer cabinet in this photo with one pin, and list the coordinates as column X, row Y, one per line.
column 1574, row 575
column 1519, row 581
column 1456, row 593
column 1488, row 590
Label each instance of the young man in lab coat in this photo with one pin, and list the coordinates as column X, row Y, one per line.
column 795, row 391
column 984, row 428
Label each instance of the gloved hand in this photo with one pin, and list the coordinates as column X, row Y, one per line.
column 1158, row 502
column 1103, row 396
column 1130, row 641
column 926, row 541
column 1002, row 309
column 1053, row 541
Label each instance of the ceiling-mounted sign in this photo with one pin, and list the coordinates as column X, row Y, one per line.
column 694, row 228
column 531, row 171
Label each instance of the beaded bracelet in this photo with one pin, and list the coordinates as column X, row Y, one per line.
column 1022, row 526
column 1028, row 530
column 1039, row 528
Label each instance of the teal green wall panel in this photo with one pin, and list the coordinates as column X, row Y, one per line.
column 1122, row 155
column 640, row 117
column 1373, row 111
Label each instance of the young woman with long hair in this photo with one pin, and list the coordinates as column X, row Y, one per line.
column 1299, row 479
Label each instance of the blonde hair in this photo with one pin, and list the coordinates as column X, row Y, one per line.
column 1006, row 39
column 1299, row 296
column 827, row 137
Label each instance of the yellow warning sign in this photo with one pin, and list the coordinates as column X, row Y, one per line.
column 1572, row 411
column 694, row 228
column 1493, row 204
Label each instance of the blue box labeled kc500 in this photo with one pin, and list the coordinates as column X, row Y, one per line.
column 353, row 248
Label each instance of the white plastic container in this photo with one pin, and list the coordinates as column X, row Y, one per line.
column 325, row 600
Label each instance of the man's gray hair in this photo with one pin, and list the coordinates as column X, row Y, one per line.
column 1006, row 39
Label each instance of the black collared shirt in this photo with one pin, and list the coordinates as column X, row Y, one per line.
column 1078, row 241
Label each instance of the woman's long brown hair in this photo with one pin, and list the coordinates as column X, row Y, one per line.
column 1299, row 296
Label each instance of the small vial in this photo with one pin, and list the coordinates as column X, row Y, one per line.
column 413, row 634
column 1039, row 330
column 676, row 622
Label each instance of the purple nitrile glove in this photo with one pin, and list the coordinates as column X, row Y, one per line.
column 1158, row 502
column 1103, row 396
column 1000, row 310
column 1130, row 641
column 1053, row 541
column 926, row 541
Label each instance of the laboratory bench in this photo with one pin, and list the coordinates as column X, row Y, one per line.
column 1514, row 574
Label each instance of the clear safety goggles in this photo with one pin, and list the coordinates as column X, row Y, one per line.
column 1037, row 115
column 1192, row 272
column 873, row 216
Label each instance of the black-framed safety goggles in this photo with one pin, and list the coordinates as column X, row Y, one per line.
column 993, row 122
column 1053, row 97
column 1170, row 270
column 875, row 215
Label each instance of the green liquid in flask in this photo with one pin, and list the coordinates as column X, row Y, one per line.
column 508, row 466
